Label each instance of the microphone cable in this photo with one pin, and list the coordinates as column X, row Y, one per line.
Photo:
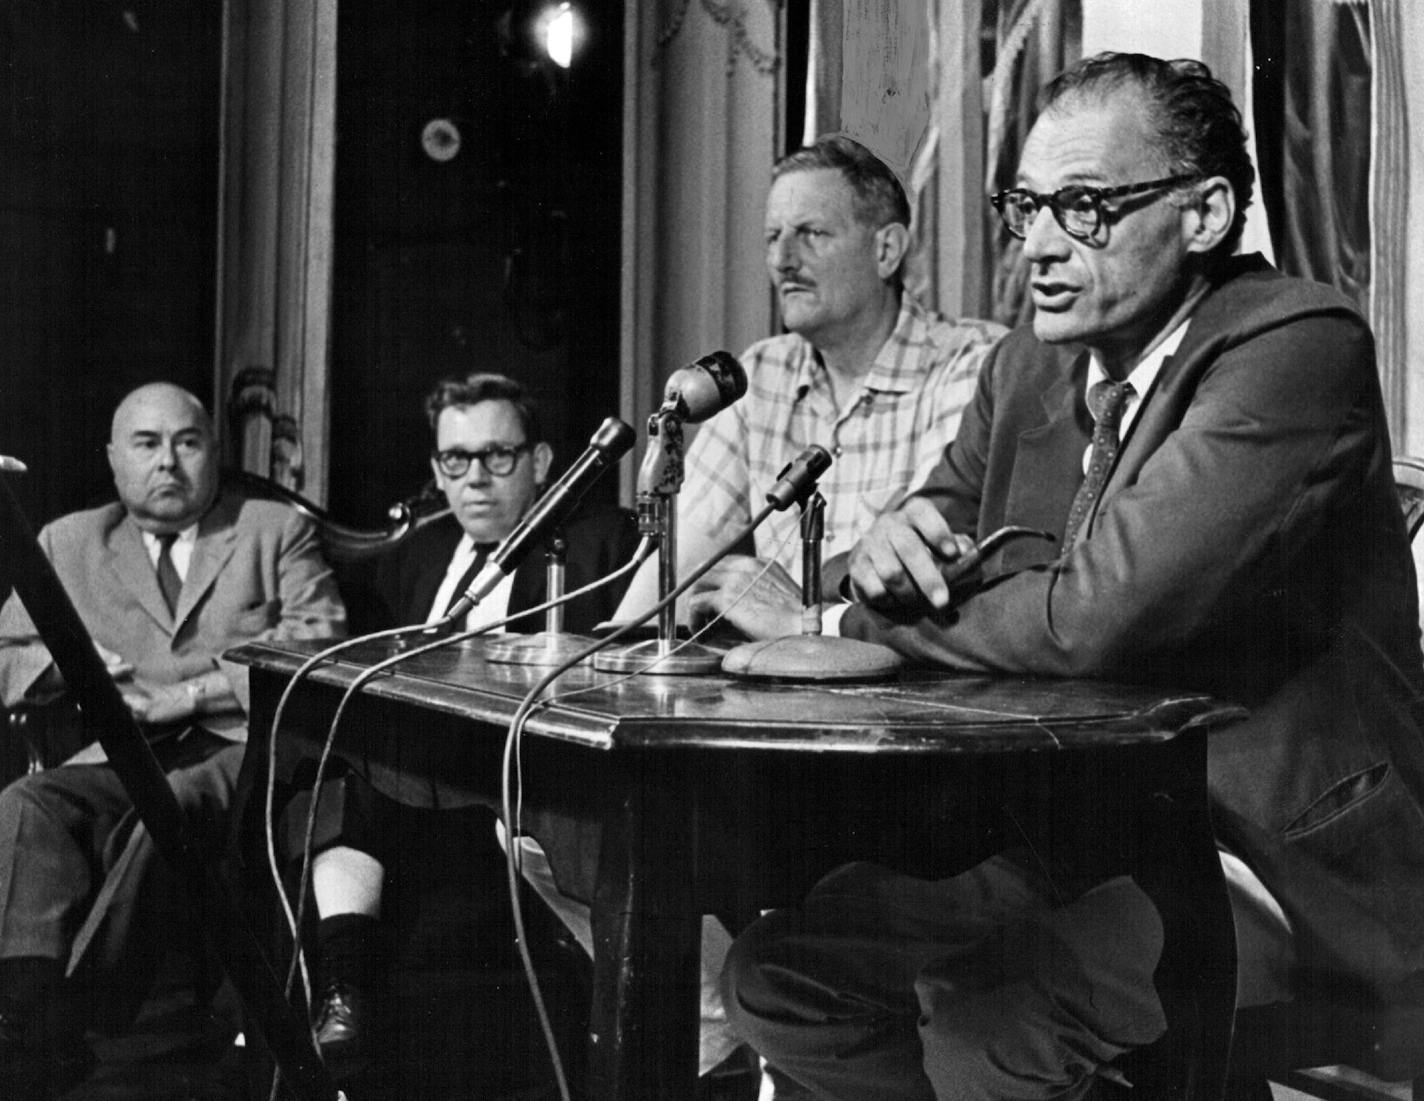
column 295, row 917
column 511, row 764
column 790, row 486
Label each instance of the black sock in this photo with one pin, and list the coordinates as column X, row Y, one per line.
column 350, row 950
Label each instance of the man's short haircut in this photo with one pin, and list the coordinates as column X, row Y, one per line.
column 1198, row 126
column 484, row 386
column 879, row 198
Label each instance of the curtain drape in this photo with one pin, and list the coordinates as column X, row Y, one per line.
column 702, row 105
column 1396, row 214
column 278, row 148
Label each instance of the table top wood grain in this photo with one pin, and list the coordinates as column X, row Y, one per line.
column 922, row 712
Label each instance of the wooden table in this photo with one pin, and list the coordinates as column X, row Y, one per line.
column 695, row 795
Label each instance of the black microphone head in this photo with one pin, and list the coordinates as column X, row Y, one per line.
column 614, row 439
column 708, row 386
column 798, row 479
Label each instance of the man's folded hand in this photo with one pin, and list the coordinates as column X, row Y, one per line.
column 757, row 597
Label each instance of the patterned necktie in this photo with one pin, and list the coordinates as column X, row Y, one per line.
column 168, row 580
column 482, row 553
column 1107, row 401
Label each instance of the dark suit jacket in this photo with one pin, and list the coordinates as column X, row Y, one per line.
column 406, row 581
column 1247, row 544
column 597, row 542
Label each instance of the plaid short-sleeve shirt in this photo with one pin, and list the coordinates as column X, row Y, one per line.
column 882, row 444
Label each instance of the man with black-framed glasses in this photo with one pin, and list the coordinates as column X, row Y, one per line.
column 491, row 463
column 1207, row 438
column 490, row 460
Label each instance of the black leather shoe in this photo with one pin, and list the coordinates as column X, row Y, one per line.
column 343, row 1028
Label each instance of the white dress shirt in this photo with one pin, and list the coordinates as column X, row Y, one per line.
column 1141, row 377
column 182, row 552
column 493, row 607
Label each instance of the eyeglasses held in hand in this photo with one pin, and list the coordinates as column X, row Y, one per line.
column 499, row 462
column 1078, row 209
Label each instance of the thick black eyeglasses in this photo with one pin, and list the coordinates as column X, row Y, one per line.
column 497, row 461
column 1078, row 209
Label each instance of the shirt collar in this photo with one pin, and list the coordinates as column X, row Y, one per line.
column 1145, row 373
column 188, row 536
column 466, row 548
column 894, row 370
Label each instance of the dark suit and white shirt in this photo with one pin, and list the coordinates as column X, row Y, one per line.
column 1247, row 543
column 418, row 581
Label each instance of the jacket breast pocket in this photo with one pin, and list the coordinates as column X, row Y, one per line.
column 1338, row 800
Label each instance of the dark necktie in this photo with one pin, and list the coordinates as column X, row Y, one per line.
column 1106, row 400
column 482, row 553
column 168, row 580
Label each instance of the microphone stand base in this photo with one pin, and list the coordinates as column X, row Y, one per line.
column 813, row 658
column 544, row 648
column 688, row 659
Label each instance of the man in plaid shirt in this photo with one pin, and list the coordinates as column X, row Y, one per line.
column 864, row 370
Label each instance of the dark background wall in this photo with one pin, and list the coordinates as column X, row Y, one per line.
column 503, row 258
column 108, row 200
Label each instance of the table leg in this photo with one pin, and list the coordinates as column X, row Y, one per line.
column 1214, row 942
column 1182, row 871
column 646, row 933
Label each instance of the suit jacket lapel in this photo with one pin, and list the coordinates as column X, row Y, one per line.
column 527, row 590
column 1048, row 467
column 127, row 558
column 213, row 547
column 432, row 569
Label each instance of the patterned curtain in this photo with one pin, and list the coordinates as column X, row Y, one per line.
column 1397, row 215
column 1336, row 83
column 1033, row 41
column 987, row 63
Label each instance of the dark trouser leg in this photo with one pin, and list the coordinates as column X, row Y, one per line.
column 54, row 826
column 889, row 988
column 140, row 903
column 66, row 852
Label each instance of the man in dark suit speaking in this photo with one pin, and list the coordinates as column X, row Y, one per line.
column 1207, row 438
column 491, row 462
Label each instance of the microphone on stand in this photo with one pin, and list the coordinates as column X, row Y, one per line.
column 553, row 645
column 609, row 444
column 692, row 395
column 704, row 387
column 796, row 482
column 810, row 656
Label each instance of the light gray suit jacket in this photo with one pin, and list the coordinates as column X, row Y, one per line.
column 256, row 572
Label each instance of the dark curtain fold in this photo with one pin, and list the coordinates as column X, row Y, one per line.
column 1313, row 125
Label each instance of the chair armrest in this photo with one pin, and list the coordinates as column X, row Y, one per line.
column 343, row 542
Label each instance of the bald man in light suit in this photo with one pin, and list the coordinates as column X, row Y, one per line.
column 166, row 580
